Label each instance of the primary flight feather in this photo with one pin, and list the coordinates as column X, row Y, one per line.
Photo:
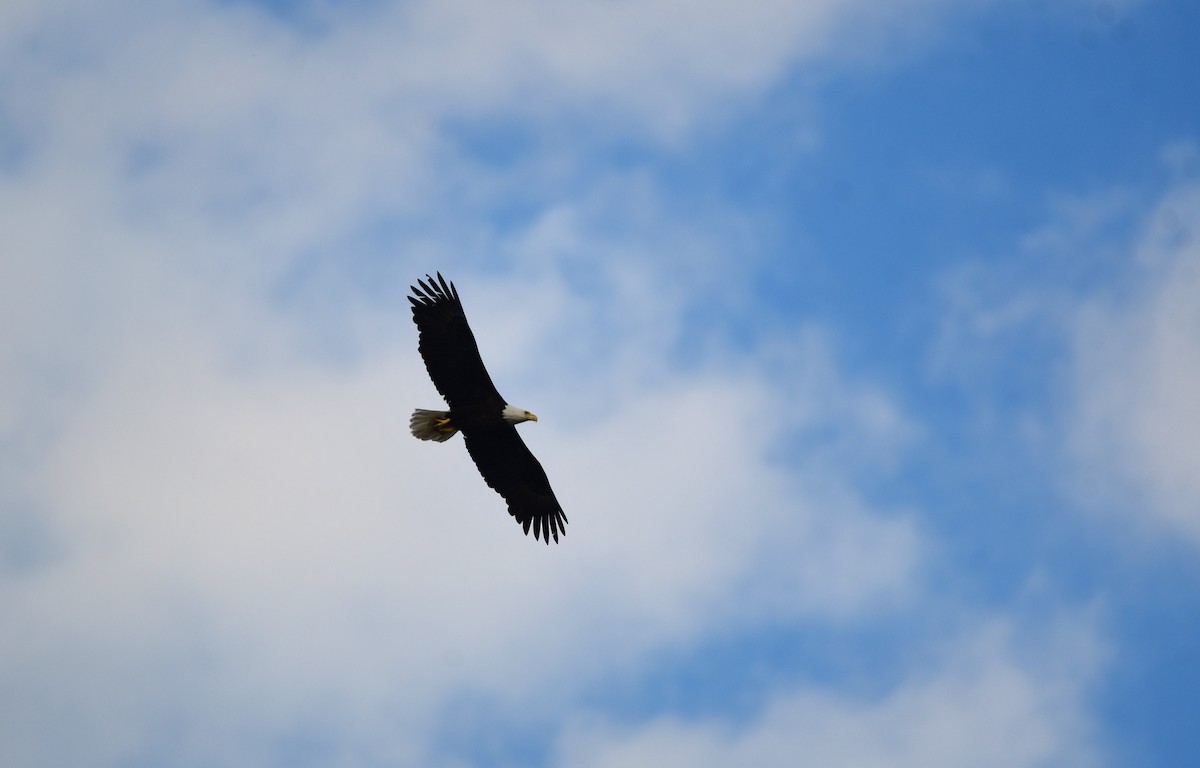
column 487, row 422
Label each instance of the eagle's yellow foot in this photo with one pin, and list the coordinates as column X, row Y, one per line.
column 443, row 425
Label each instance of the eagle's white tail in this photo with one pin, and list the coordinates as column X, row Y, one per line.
column 432, row 425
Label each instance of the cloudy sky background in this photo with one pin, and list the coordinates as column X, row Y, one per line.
column 865, row 339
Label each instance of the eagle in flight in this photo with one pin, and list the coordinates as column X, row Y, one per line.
column 486, row 420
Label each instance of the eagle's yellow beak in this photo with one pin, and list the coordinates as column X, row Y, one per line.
column 530, row 416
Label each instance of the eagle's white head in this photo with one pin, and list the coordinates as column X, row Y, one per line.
column 514, row 415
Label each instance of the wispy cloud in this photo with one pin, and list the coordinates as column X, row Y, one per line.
column 990, row 700
column 1136, row 378
column 1094, row 304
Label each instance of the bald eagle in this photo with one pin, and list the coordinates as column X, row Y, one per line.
column 486, row 420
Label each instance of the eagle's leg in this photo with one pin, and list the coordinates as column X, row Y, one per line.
column 444, row 426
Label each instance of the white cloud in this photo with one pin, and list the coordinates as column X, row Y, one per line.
column 1096, row 311
column 264, row 534
column 993, row 700
column 260, row 539
column 1136, row 378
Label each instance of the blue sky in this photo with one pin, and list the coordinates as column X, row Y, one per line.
column 863, row 339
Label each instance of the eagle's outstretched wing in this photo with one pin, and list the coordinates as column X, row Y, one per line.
column 448, row 347
column 510, row 468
